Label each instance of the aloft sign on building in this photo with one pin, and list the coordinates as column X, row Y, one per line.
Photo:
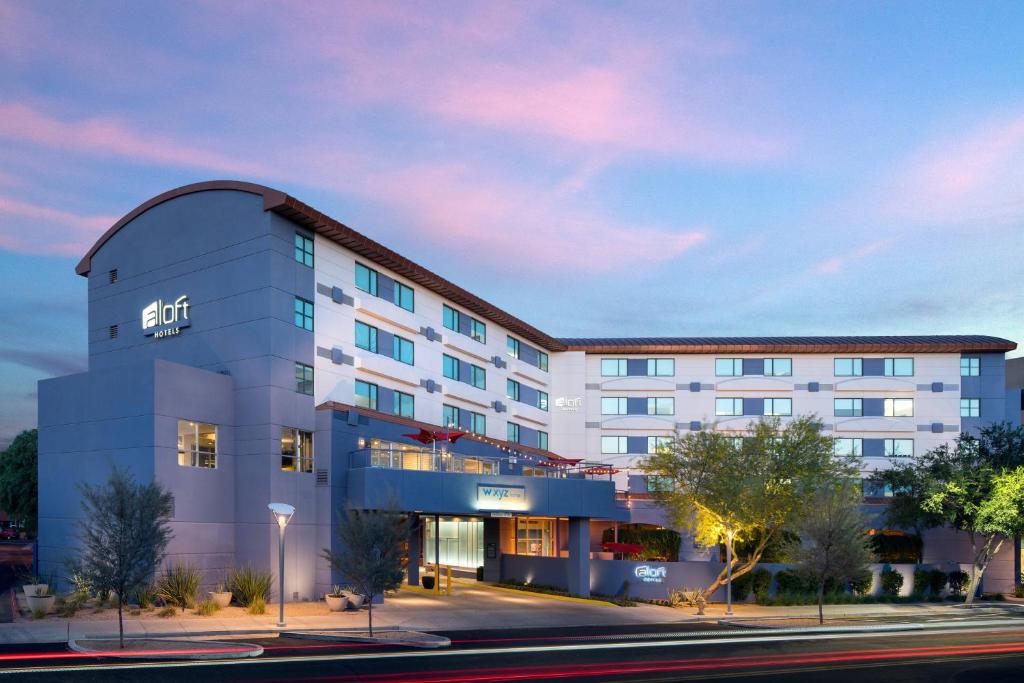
column 161, row 319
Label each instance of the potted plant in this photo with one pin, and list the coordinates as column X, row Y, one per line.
column 34, row 585
column 40, row 600
column 336, row 600
column 428, row 582
column 355, row 601
column 220, row 595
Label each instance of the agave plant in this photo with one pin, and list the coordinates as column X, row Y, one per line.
column 179, row 585
column 248, row 584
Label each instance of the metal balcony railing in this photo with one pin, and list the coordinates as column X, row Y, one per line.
column 425, row 460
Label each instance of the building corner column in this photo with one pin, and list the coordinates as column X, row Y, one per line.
column 415, row 536
column 579, row 556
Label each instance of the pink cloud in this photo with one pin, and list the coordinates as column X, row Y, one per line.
column 108, row 137
column 32, row 229
column 835, row 264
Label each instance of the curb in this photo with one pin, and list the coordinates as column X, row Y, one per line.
column 225, row 651
column 417, row 639
column 873, row 628
column 566, row 598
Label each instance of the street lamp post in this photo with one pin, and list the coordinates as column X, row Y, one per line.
column 728, row 573
column 282, row 513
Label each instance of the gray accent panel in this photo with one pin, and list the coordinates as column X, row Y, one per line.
column 430, row 333
column 323, row 289
column 498, row 406
column 827, row 427
column 385, row 400
column 385, row 287
column 636, row 367
column 499, row 362
column 873, row 367
column 636, row 405
column 707, row 387
column 593, row 386
column 827, row 387
column 937, row 387
column 636, row 444
column 695, row 426
column 337, row 296
column 430, row 385
column 813, row 387
column 874, row 448
column 593, row 425
column 753, row 406
column 753, row 366
column 951, row 387
column 695, row 387
column 336, row 356
column 800, row 387
column 873, row 407
column 385, row 343
column 937, row 428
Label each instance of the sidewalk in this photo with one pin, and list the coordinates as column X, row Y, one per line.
column 472, row 606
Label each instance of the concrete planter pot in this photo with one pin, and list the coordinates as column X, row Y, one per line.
column 336, row 603
column 221, row 599
column 354, row 601
column 37, row 603
column 32, row 588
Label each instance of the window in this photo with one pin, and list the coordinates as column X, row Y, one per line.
column 366, row 279
column 778, row 406
column 848, row 367
column 736, row 442
column 404, row 405
column 613, row 406
column 197, row 444
column 661, row 406
column 512, row 347
column 849, row 407
column 296, row 450
column 658, row 443
column 542, row 400
column 661, row 367
column 303, row 249
column 542, row 361
column 366, row 337
column 512, row 432
column 614, row 445
column 512, row 389
column 876, row 489
column 304, row 314
column 366, row 395
column 450, row 415
column 613, row 367
column 728, row 406
column 899, row 367
column 542, row 440
column 477, row 377
column 778, row 367
column 404, row 297
column 478, row 424
column 658, row 484
column 899, row 448
column 403, row 350
column 899, row 407
column 451, row 366
column 848, row 447
column 449, row 317
column 536, row 536
column 304, row 379
column 477, row 330
column 970, row 407
column 452, row 319
column 970, row 367
column 728, row 367
column 475, row 422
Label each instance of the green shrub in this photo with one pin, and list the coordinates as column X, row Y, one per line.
column 206, row 608
column 936, row 581
column 167, row 612
column 741, row 586
column 659, row 544
column 179, row 585
column 247, row 584
column 146, row 596
column 892, row 582
column 792, row 582
column 258, row 606
column 760, row 583
column 39, row 613
column 922, row 579
column 958, row 582
column 860, row 584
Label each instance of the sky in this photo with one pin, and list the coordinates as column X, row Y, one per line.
column 597, row 168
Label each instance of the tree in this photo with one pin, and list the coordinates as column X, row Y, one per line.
column 370, row 552
column 907, row 481
column 125, row 533
column 19, row 478
column 834, row 545
column 725, row 489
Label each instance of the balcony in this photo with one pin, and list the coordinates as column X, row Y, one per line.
column 425, row 460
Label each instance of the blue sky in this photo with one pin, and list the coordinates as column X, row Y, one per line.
column 605, row 169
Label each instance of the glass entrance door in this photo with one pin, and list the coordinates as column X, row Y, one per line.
column 461, row 541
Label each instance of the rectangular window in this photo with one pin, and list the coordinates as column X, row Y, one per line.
column 296, row 450
column 303, row 250
column 451, row 366
column 366, row 279
column 404, row 406
column 613, row 367
column 613, row 406
column 970, row 407
column 849, row 407
column 848, row 447
column 661, row 406
column 970, row 367
column 658, row 443
column 661, row 367
column 542, row 400
column 478, row 424
column 304, row 314
column 450, row 415
column 728, row 367
column 512, row 390
column 197, row 444
column 542, row 440
column 848, row 367
column 403, row 351
column 404, row 297
column 366, row 337
column 899, row 448
column 614, row 445
column 477, row 377
column 449, row 317
column 736, row 442
column 778, row 406
column 542, row 361
column 873, row 489
column 304, row 379
column 899, row 407
column 728, row 406
column 477, row 330
column 512, row 347
column 899, row 367
column 512, row 432
column 366, row 395
column 778, row 367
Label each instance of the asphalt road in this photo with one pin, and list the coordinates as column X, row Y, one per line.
column 656, row 653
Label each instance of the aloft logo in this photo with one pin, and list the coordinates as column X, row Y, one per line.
column 161, row 319
column 649, row 574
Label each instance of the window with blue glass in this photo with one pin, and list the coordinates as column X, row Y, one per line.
column 512, row 346
column 303, row 249
column 303, row 314
column 512, row 390
column 899, row 448
column 512, row 432
column 613, row 405
column 848, row 407
column 405, row 405
column 899, row 367
column 542, row 400
column 848, row 367
column 450, row 367
column 403, row 350
column 848, row 447
column 970, row 407
column 366, row 279
column 304, row 379
column 728, row 367
column 661, row 367
column 542, row 361
column 613, row 367
column 778, row 367
column 405, row 297
column 366, row 336
column 477, row 376
column 778, row 406
column 542, row 440
column 970, row 366
column 661, row 406
column 366, row 395
column 728, row 406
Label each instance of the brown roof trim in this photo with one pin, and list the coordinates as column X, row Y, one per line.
column 935, row 344
column 416, row 424
column 298, row 212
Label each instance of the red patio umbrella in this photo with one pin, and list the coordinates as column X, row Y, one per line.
column 623, row 548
